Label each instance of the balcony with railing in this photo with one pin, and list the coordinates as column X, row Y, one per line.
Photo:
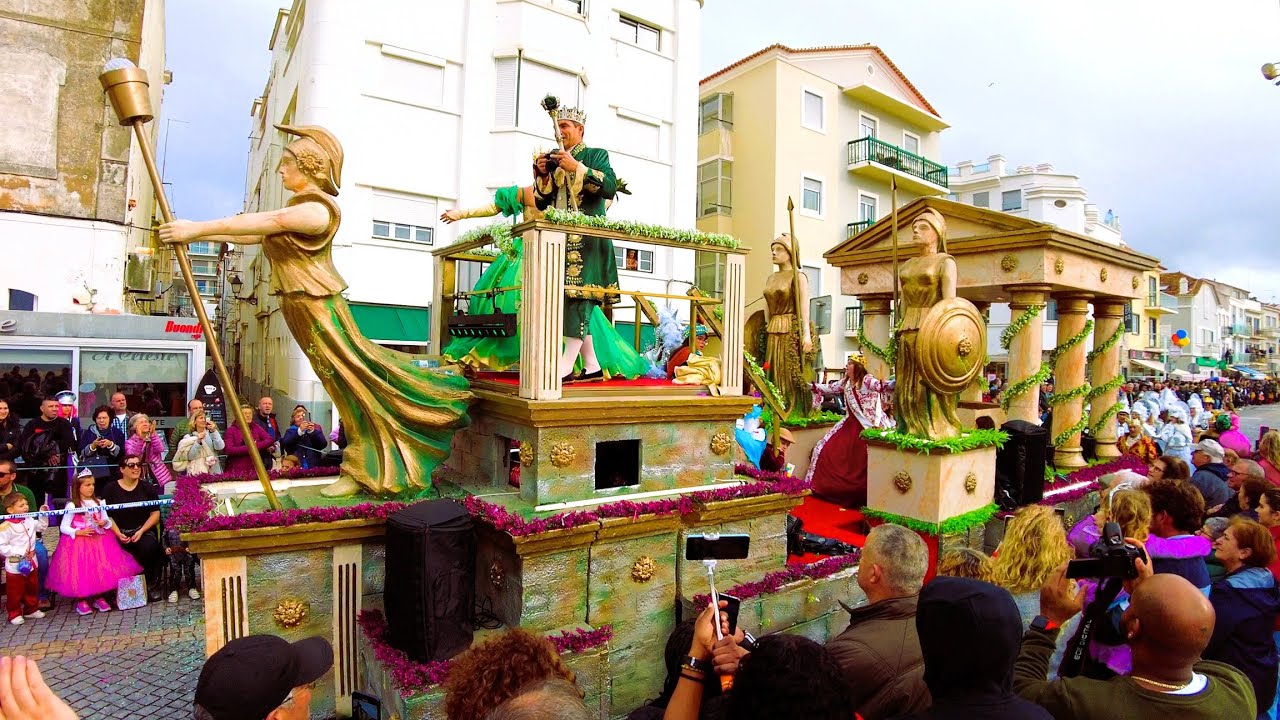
column 854, row 228
column 881, row 160
column 852, row 320
column 1238, row 329
column 1161, row 304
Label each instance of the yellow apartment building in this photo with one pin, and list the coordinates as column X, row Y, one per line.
column 1150, row 323
column 830, row 127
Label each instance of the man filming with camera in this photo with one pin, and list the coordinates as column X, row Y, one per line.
column 1168, row 624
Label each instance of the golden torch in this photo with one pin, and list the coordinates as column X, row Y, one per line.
column 126, row 86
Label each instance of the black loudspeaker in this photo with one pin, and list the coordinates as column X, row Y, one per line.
column 1020, row 464
column 430, row 579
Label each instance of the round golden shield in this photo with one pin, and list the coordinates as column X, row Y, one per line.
column 952, row 345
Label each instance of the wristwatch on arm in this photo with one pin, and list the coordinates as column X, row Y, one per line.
column 1043, row 624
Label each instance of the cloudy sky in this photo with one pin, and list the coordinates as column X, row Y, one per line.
column 1158, row 106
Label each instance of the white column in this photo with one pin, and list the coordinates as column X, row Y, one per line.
column 542, row 314
column 731, row 341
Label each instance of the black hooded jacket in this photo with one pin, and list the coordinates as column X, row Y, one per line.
column 970, row 632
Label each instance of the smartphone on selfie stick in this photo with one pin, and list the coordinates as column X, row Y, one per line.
column 710, row 548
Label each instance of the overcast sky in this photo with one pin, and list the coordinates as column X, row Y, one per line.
column 1159, row 106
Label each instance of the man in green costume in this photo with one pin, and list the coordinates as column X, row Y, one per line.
column 583, row 181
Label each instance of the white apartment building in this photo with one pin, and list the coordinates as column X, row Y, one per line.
column 437, row 105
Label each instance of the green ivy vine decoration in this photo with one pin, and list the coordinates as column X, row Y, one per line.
column 1107, row 345
column 769, row 387
column 1104, row 417
column 889, row 353
column 641, row 230
column 1078, row 427
column 1069, row 395
column 1018, row 324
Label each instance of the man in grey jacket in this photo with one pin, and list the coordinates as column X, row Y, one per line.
column 880, row 650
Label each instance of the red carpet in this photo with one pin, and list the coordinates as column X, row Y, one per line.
column 513, row 379
column 828, row 520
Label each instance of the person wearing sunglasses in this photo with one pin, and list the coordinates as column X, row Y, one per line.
column 136, row 527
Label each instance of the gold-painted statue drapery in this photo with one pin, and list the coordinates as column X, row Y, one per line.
column 399, row 418
column 789, row 351
column 924, row 404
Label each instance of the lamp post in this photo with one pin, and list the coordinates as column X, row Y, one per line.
column 126, row 86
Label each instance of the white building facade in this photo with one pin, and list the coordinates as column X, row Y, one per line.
column 437, row 105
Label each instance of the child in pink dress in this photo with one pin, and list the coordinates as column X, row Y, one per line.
column 89, row 561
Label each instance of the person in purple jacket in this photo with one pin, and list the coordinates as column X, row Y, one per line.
column 238, row 460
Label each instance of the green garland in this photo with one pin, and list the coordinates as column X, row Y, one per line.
column 1104, row 388
column 769, row 387
column 968, row 440
column 1017, row 325
column 1020, row 388
column 1102, row 419
column 1071, row 342
column 641, row 230
column 1110, row 343
column 1075, row 392
column 889, row 353
column 822, row 418
column 498, row 232
column 957, row 524
column 1078, row 427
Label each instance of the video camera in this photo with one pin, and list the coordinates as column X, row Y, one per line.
column 1112, row 557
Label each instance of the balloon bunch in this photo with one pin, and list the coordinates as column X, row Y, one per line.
column 1181, row 339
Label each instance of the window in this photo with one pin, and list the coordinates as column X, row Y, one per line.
column 637, row 33
column 204, row 247
column 1208, row 336
column 163, row 374
column 1051, row 310
column 207, row 287
column 636, row 137
column 1011, row 200
column 715, row 187
column 709, row 272
column 407, row 76
column 399, row 231
column 520, row 86
column 811, row 195
column 867, row 207
column 1132, row 322
column 204, row 267
column 1153, row 332
column 715, row 112
column 22, row 300
column 1153, row 292
column 910, row 143
column 578, row 7
column 814, row 275
column 982, row 199
column 868, row 125
column 634, row 259
column 813, row 112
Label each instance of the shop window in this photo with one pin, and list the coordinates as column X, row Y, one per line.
column 154, row 383
column 617, row 464
column 29, row 373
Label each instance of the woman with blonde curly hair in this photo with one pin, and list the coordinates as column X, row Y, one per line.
column 1034, row 545
column 1269, row 456
column 965, row 563
column 493, row 672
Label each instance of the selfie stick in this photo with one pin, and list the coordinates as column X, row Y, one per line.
column 726, row 681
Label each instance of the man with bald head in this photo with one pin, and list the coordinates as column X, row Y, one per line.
column 1168, row 624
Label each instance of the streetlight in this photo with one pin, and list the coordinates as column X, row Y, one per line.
column 236, row 283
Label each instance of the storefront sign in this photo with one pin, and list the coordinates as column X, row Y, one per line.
column 8, row 326
column 193, row 330
column 19, row 323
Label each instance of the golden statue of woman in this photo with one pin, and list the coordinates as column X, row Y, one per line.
column 788, row 353
column 921, row 407
column 399, row 418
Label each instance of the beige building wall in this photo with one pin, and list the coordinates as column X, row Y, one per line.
column 774, row 150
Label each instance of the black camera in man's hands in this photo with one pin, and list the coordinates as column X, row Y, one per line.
column 1112, row 557
column 552, row 163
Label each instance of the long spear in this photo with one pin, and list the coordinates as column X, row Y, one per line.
column 893, row 200
column 127, row 87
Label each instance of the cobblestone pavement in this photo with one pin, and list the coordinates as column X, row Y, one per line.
column 126, row 664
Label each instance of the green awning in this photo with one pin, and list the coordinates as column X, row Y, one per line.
column 392, row 323
column 1206, row 362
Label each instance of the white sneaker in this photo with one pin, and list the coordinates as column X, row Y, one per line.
column 173, row 596
column 17, row 621
column 194, row 594
column 35, row 615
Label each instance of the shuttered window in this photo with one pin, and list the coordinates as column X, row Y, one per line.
column 507, row 92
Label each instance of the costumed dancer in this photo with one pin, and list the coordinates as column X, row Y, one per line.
column 577, row 177
column 751, row 437
column 89, row 562
column 683, row 355
column 401, row 416
column 1199, row 419
column 1232, row 438
column 838, row 467
column 1137, row 443
column 1175, row 436
column 788, row 352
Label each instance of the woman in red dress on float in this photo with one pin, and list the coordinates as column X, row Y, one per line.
column 838, row 468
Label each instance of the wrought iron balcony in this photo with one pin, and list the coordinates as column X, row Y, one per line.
column 876, row 156
column 854, row 228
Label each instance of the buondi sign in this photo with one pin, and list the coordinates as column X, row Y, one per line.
column 17, row 323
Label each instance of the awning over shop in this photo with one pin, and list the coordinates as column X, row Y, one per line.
column 1206, row 362
column 392, row 323
column 1148, row 364
column 1249, row 372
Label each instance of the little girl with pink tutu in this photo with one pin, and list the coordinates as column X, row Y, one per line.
column 89, row 562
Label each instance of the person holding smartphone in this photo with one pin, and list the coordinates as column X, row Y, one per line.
column 305, row 439
column 100, row 446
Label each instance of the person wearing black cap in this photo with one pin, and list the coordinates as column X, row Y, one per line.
column 261, row 677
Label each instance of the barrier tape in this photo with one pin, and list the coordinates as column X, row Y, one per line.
column 71, row 509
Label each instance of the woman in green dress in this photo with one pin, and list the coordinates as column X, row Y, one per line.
column 616, row 356
column 399, row 417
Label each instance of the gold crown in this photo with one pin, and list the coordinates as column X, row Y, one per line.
column 569, row 113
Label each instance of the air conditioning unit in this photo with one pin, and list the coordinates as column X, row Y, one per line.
column 139, row 274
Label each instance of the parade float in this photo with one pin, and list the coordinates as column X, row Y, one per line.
column 583, row 495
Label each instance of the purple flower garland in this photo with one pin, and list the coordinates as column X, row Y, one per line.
column 1091, row 475
column 273, row 474
column 411, row 677
column 774, row 581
